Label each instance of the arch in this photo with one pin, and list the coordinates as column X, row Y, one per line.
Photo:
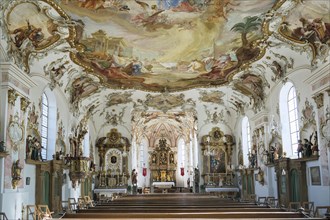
column 49, row 124
column 289, row 119
column 246, row 140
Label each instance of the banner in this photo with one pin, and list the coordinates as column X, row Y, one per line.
column 144, row 171
column 182, row 171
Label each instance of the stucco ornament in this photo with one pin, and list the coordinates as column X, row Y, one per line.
column 325, row 126
column 119, row 98
column 308, row 115
column 165, row 101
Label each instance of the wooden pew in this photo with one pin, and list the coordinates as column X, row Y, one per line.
column 180, row 215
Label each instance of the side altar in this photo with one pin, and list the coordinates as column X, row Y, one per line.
column 113, row 174
column 217, row 153
column 163, row 164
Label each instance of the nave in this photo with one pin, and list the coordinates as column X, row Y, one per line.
column 182, row 206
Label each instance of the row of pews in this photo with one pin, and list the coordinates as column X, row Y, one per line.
column 180, row 206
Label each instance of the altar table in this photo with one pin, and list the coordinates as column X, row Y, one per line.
column 223, row 191
column 163, row 185
column 110, row 192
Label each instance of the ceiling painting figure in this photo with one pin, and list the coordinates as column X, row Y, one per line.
column 176, row 45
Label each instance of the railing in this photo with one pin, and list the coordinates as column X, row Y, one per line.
column 3, row 216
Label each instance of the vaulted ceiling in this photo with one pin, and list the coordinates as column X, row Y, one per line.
column 221, row 56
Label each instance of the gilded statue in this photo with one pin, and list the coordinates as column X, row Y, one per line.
column 16, row 173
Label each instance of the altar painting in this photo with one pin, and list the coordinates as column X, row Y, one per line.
column 218, row 162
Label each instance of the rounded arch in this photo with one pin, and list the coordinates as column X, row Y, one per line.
column 289, row 119
column 246, row 140
column 51, row 122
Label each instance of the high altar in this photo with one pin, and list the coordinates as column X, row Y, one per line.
column 162, row 163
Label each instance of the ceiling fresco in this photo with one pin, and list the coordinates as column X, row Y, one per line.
column 180, row 54
column 170, row 45
column 309, row 22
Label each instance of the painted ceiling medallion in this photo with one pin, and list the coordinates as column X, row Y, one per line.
column 213, row 97
column 33, row 27
column 309, row 23
column 164, row 101
column 119, row 98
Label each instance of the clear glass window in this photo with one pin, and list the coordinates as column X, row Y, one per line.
column 44, row 126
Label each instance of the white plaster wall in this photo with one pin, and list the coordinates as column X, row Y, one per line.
column 30, row 171
column 319, row 194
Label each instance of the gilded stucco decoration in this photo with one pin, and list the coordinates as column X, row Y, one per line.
column 253, row 85
column 164, row 101
column 309, row 24
column 279, row 65
column 325, row 126
column 118, row 98
column 178, row 45
column 215, row 116
column 33, row 28
column 12, row 96
column 238, row 106
column 16, row 131
column 115, row 118
column 308, row 115
column 80, row 88
column 60, row 144
column 24, row 103
column 274, row 127
column 212, row 97
column 319, row 100
column 56, row 69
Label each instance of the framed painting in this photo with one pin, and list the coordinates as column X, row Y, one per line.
column 315, row 175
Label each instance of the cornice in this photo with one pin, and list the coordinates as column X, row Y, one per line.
column 14, row 76
column 320, row 78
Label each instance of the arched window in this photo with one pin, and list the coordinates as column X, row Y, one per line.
column 48, row 124
column 246, row 140
column 44, row 126
column 289, row 119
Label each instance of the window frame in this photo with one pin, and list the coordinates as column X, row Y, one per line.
column 44, row 128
